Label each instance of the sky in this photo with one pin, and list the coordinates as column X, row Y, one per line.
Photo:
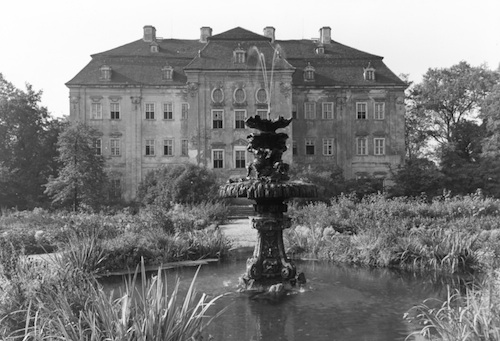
column 46, row 43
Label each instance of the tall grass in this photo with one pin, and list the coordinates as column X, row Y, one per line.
column 147, row 309
column 474, row 315
column 454, row 234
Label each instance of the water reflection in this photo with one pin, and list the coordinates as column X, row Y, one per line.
column 337, row 303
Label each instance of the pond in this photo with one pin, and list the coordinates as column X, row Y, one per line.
column 337, row 303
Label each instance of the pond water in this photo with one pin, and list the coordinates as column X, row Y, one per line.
column 337, row 303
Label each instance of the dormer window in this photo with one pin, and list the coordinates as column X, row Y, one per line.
column 154, row 47
column 239, row 55
column 369, row 73
column 167, row 73
column 105, row 73
column 320, row 49
column 309, row 72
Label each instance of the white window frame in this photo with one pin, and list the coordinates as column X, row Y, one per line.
column 217, row 152
column 168, row 111
column 328, row 146
column 379, row 110
column 359, row 111
column 240, row 151
column 308, row 143
column 379, row 146
column 257, row 99
column 184, row 111
column 149, row 111
column 184, row 147
column 244, row 95
column 114, row 109
column 168, row 147
column 327, row 112
column 149, row 147
column 236, row 120
column 221, row 92
column 215, row 112
column 114, row 146
column 361, row 146
column 310, row 110
column 96, row 111
column 261, row 112
column 97, row 145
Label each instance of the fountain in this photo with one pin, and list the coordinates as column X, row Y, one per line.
column 268, row 184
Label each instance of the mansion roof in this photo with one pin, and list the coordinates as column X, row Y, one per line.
column 138, row 63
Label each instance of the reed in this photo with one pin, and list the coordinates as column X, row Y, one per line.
column 146, row 310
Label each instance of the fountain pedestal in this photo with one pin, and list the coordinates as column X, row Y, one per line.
column 267, row 183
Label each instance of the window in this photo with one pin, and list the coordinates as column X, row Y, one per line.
column 261, row 95
column 184, row 111
column 217, row 119
column 370, row 75
column 105, row 73
column 239, row 96
column 328, row 111
column 96, row 111
column 328, row 146
column 239, row 119
column 97, row 146
column 167, row 72
column 217, row 95
column 361, row 146
column 309, row 72
column 361, row 111
column 379, row 110
column 294, row 111
column 294, row 147
column 184, row 147
column 239, row 56
column 379, row 146
column 310, row 144
column 150, row 147
column 310, row 110
column 262, row 113
column 115, row 147
column 168, row 113
column 240, row 158
column 168, row 147
column 218, row 158
column 150, row 111
column 114, row 109
column 115, row 188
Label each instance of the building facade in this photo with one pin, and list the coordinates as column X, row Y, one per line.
column 170, row 101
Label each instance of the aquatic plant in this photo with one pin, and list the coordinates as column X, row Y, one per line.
column 473, row 315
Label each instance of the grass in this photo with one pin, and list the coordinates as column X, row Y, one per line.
column 69, row 304
column 469, row 316
column 459, row 234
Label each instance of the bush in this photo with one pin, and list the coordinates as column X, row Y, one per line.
column 185, row 184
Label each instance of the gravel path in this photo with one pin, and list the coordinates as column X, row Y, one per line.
column 240, row 232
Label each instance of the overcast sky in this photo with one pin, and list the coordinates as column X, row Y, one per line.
column 47, row 42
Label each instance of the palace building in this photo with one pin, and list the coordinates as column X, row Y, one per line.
column 171, row 101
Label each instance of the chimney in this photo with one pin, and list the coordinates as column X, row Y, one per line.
column 205, row 32
column 149, row 34
column 325, row 35
column 269, row 32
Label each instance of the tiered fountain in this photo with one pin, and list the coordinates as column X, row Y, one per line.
column 268, row 184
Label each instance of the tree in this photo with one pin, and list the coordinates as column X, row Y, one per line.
column 82, row 178
column 26, row 146
column 451, row 95
column 416, row 177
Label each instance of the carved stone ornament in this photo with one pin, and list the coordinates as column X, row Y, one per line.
column 115, row 98
column 115, row 134
column 192, row 88
column 136, row 100
column 400, row 101
column 96, row 99
column 286, row 89
column 74, row 100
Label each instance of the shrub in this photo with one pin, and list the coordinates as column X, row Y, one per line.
column 178, row 184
